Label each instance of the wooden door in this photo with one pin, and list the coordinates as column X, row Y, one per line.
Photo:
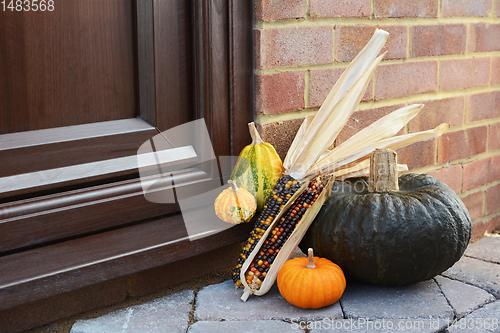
column 81, row 88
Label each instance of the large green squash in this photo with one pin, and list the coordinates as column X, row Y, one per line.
column 392, row 238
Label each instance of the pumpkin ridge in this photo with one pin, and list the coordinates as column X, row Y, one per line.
column 423, row 230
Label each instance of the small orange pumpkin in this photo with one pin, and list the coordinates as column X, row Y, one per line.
column 235, row 205
column 311, row 283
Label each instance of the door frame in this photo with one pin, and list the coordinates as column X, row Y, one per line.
column 49, row 224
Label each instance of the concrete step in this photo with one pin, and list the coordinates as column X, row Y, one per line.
column 464, row 298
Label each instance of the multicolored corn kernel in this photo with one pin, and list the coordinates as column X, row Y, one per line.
column 282, row 192
column 262, row 262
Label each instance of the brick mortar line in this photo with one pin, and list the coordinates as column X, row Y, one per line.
column 335, row 64
column 368, row 21
column 464, row 115
column 479, row 123
column 486, row 218
column 268, row 118
column 307, row 14
column 466, row 160
column 264, row 119
column 482, row 188
column 410, row 99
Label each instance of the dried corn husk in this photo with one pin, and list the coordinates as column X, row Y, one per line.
column 315, row 136
column 336, row 109
column 393, row 143
column 310, row 155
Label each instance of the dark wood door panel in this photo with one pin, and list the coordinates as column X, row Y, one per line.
column 63, row 154
column 56, row 159
column 70, row 66
column 58, row 216
column 173, row 63
column 77, row 263
column 55, row 217
column 167, row 62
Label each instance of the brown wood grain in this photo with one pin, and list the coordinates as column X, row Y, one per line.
column 73, row 65
column 241, row 73
column 223, row 71
column 78, row 235
column 43, row 157
column 219, row 83
column 67, row 214
column 173, row 58
column 146, row 61
column 77, row 263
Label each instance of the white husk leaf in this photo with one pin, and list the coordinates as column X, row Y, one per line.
column 383, row 128
column 324, row 137
column 309, row 154
column 335, row 110
column 392, row 143
column 361, row 169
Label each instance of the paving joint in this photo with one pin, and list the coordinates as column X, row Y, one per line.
column 482, row 259
column 455, row 316
column 191, row 318
column 467, row 291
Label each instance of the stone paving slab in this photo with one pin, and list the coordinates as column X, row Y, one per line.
column 222, row 302
column 464, row 298
column 420, row 300
column 485, row 319
column 416, row 325
column 479, row 273
column 257, row 326
column 487, row 248
column 166, row 314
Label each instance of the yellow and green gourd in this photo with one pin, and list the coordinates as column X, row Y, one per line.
column 265, row 168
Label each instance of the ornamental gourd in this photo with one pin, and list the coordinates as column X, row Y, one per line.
column 312, row 282
column 235, row 205
column 391, row 231
column 265, row 168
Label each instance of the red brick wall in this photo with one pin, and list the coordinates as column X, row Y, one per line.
column 443, row 53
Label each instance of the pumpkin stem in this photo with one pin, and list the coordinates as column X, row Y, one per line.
column 233, row 185
column 383, row 171
column 256, row 139
column 310, row 256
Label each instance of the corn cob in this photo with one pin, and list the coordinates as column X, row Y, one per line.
column 284, row 189
column 280, row 234
column 314, row 137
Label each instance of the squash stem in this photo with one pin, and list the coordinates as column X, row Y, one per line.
column 234, row 187
column 256, row 139
column 236, row 199
column 383, row 171
column 310, row 256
